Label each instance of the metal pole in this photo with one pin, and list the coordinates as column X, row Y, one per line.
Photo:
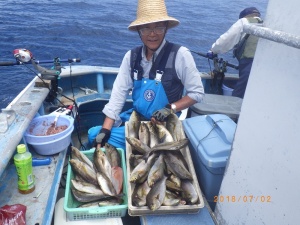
column 273, row 35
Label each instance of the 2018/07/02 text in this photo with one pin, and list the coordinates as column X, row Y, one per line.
column 242, row 198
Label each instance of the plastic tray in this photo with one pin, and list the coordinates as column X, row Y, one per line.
column 181, row 209
column 70, row 203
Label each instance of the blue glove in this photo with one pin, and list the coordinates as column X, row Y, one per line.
column 102, row 137
column 161, row 114
column 211, row 55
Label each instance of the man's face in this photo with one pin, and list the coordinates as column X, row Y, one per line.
column 153, row 34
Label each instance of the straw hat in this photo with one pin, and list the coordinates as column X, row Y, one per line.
column 152, row 11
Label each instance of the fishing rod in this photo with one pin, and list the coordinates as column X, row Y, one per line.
column 24, row 56
column 218, row 73
column 219, row 60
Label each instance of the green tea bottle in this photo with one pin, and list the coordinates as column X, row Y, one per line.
column 23, row 162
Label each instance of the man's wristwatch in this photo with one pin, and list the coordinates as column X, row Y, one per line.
column 172, row 107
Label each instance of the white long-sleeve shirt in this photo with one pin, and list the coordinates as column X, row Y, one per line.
column 230, row 38
column 186, row 70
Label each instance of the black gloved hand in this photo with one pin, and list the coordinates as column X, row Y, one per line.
column 102, row 137
column 161, row 114
column 211, row 55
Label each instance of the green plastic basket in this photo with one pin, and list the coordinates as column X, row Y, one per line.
column 71, row 204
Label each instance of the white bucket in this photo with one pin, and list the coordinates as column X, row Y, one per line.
column 227, row 90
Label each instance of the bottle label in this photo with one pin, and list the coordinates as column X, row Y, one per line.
column 25, row 176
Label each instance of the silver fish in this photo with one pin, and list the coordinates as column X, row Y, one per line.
column 134, row 160
column 138, row 145
column 172, row 186
column 86, row 197
column 83, row 170
column 86, row 187
column 174, row 126
column 140, row 172
column 177, row 167
column 110, row 201
column 163, row 134
column 156, row 195
column 189, row 192
column 101, row 163
column 144, row 134
column 139, row 194
column 154, row 140
column 171, row 199
column 175, row 180
column 113, row 155
column 104, row 202
column 77, row 154
column 133, row 125
column 157, row 171
column 106, row 184
column 171, row 146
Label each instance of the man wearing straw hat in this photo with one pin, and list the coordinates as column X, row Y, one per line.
column 158, row 73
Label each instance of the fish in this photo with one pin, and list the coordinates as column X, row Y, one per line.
column 134, row 160
column 113, row 155
column 138, row 145
column 110, row 201
column 101, row 163
column 154, row 139
column 140, row 172
column 189, row 192
column 83, row 170
column 77, row 154
column 86, row 197
column 176, row 167
column 133, row 124
column 104, row 202
column 139, row 194
column 175, row 180
column 171, row 146
column 117, row 178
column 106, row 184
column 172, row 186
column 157, row 171
column 163, row 134
column 174, row 126
column 86, row 187
column 171, row 199
column 156, row 195
column 144, row 134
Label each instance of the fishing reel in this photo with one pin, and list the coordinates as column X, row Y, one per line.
column 218, row 73
column 24, row 56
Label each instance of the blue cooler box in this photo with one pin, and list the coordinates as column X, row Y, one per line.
column 211, row 138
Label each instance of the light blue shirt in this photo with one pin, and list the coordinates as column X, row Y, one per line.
column 186, row 70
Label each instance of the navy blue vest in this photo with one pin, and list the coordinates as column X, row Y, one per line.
column 165, row 62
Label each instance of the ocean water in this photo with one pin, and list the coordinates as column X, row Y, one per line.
column 96, row 32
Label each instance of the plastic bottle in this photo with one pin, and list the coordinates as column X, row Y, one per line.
column 23, row 162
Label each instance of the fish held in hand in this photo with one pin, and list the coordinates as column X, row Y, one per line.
column 101, row 163
column 113, row 155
